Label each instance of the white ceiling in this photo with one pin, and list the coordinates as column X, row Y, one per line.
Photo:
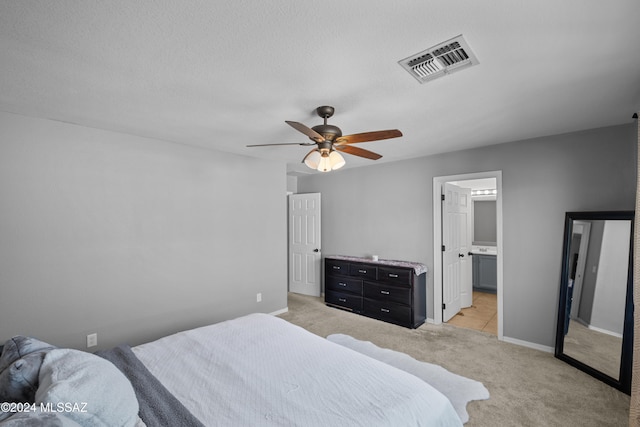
column 223, row 74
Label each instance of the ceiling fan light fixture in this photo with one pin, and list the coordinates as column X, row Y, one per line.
column 329, row 161
column 313, row 159
column 324, row 165
column 336, row 159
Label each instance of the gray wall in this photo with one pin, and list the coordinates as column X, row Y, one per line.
column 130, row 237
column 292, row 184
column 387, row 210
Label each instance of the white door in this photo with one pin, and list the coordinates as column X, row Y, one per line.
column 466, row 236
column 456, row 265
column 304, row 244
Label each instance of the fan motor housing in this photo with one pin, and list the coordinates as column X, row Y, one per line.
column 329, row 132
column 326, row 146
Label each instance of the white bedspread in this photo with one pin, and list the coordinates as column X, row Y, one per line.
column 261, row 370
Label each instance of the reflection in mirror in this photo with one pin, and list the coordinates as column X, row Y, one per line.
column 593, row 330
column 597, row 287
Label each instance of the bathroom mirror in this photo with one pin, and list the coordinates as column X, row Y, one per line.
column 595, row 311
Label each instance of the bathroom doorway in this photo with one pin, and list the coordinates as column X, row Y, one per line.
column 486, row 248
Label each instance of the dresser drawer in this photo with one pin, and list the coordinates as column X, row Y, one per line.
column 388, row 311
column 344, row 284
column 382, row 292
column 363, row 270
column 336, row 267
column 349, row 301
column 397, row 276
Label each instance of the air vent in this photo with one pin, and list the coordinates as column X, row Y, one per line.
column 444, row 58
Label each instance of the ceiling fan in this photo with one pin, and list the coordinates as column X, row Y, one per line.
column 329, row 140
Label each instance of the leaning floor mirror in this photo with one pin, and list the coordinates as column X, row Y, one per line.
column 595, row 311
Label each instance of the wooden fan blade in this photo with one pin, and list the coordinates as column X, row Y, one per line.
column 306, row 130
column 282, row 143
column 356, row 151
column 368, row 136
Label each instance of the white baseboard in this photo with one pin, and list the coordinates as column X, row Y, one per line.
column 604, row 331
column 281, row 311
column 528, row 344
column 516, row 341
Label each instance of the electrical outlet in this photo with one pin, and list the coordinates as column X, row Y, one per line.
column 258, row 297
column 92, row 340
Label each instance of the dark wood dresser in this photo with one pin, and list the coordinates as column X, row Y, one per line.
column 392, row 291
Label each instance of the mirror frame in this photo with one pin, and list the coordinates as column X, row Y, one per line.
column 623, row 382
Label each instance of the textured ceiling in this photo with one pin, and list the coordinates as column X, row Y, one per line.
column 222, row 75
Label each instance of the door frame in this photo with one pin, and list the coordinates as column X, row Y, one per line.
column 438, row 183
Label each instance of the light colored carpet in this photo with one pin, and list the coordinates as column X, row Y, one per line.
column 528, row 387
column 458, row 389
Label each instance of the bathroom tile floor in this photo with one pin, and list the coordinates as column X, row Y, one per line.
column 481, row 316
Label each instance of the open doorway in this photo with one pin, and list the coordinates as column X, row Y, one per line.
column 485, row 248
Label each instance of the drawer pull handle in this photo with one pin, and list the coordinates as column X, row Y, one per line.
column 384, row 292
column 342, row 284
column 362, row 271
column 385, row 310
column 395, row 276
column 335, row 267
column 342, row 299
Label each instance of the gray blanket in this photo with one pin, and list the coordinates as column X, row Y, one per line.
column 158, row 407
column 20, row 361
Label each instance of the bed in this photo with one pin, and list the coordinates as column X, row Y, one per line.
column 251, row 371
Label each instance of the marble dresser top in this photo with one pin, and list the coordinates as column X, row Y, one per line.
column 417, row 267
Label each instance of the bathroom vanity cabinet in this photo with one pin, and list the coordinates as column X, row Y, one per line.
column 485, row 273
